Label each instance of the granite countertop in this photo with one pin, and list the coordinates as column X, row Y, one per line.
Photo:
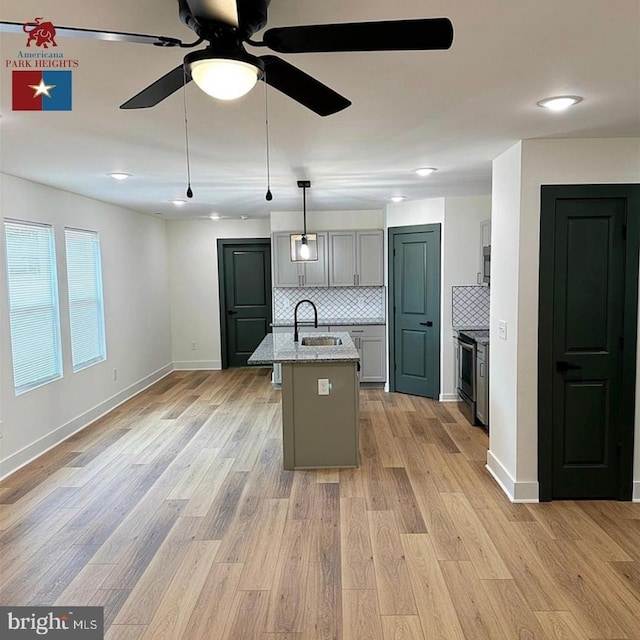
column 280, row 347
column 328, row 322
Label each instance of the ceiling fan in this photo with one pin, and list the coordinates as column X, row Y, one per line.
column 226, row 70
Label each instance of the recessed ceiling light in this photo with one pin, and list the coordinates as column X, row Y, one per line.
column 118, row 175
column 397, row 198
column 178, row 202
column 559, row 103
column 244, row 217
column 215, row 216
column 425, row 171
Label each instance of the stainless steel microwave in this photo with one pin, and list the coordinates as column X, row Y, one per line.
column 486, row 264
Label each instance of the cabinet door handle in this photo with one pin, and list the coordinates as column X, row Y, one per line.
column 426, row 324
column 357, row 330
column 482, row 369
column 355, row 281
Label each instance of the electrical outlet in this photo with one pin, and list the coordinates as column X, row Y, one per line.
column 115, row 375
column 502, row 329
column 323, row 386
column 194, row 345
column 361, row 302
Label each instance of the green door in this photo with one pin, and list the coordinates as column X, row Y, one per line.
column 586, row 269
column 416, row 310
column 247, row 296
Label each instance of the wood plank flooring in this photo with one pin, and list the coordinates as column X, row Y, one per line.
column 173, row 512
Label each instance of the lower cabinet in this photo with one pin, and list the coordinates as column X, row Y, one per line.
column 370, row 341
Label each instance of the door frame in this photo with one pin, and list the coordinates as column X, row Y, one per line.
column 222, row 244
column 392, row 233
column 548, row 195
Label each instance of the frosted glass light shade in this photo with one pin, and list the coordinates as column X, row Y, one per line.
column 223, row 78
column 304, row 251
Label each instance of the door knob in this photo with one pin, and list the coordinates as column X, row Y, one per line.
column 563, row 365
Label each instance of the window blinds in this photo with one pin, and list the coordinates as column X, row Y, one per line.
column 86, row 308
column 33, row 304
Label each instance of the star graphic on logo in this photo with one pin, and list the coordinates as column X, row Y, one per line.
column 41, row 89
column 64, row 617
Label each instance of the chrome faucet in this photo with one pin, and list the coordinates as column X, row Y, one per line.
column 295, row 318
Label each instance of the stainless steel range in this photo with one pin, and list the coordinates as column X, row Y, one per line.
column 473, row 375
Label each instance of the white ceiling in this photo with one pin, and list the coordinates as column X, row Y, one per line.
column 455, row 110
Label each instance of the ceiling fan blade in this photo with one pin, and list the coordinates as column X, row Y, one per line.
column 159, row 90
column 225, row 11
column 96, row 34
column 392, row 35
column 300, row 86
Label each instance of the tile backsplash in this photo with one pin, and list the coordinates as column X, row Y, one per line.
column 332, row 302
column 470, row 307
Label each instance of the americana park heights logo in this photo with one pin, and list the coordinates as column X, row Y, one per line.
column 41, row 76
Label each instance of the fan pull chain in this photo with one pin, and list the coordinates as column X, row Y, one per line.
column 186, row 134
column 269, row 195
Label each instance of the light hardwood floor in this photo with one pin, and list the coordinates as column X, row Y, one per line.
column 174, row 513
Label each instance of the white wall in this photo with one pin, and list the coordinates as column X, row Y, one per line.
column 136, row 294
column 193, row 282
column 523, row 169
column 460, row 219
column 327, row 220
column 461, row 263
column 505, row 231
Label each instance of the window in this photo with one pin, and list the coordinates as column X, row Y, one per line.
column 86, row 308
column 33, row 304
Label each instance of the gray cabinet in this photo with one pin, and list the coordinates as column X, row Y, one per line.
column 356, row 258
column 298, row 274
column 485, row 239
column 370, row 341
column 319, row 431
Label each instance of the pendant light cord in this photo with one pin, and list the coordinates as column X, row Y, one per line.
column 186, row 133
column 304, row 211
column 269, row 195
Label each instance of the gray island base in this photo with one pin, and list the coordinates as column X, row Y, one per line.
column 320, row 404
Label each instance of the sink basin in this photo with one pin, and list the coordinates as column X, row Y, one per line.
column 320, row 341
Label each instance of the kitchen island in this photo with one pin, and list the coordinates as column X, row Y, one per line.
column 320, row 406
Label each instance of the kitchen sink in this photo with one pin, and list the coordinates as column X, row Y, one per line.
column 321, row 341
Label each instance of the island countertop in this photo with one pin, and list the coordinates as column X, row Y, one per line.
column 280, row 348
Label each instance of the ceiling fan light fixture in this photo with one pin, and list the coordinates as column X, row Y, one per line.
column 559, row 103
column 224, row 78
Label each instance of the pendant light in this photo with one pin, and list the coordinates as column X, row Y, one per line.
column 304, row 246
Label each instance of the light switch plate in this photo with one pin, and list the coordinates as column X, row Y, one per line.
column 323, row 386
column 502, row 329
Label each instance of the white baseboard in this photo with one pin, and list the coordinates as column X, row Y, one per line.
column 197, row 365
column 54, row 438
column 636, row 491
column 448, row 397
column 516, row 491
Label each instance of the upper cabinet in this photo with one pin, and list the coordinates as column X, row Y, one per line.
column 345, row 259
column 356, row 258
column 298, row 274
